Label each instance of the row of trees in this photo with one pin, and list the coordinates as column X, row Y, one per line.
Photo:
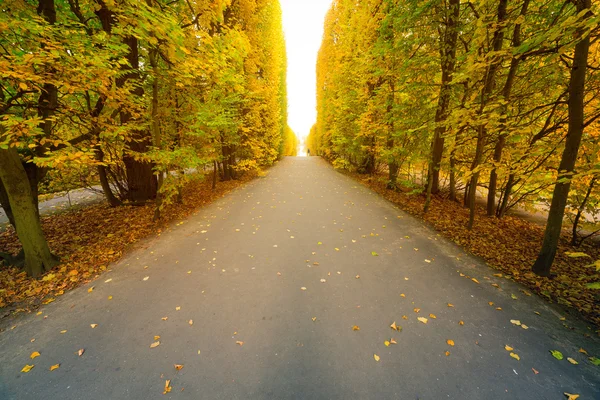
column 495, row 96
column 135, row 94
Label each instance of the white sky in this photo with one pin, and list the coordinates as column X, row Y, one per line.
column 303, row 27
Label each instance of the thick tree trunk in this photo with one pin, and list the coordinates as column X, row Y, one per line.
column 38, row 258
column 5, row 203
column 141, row 181
column 545, row 259
column 448, row 62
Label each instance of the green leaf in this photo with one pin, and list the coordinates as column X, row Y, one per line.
column 593, row 285
column 595, row 361
column 557, row 354
column 374, row 254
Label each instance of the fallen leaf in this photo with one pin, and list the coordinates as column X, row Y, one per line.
column 556, row 354
column 422, row 319
column 55, row 366
column 90, row 290
column 178, row 367
column 355, row 328
column 146, row 278
column 374, row 254
column 314, row 319
column 515, row 356
column 302, row 288
column 376, row 357
column 450, row 342
column 432, row 316
column 156, row 337
column 572, row 361
column 417, row 310
column 491, row 303
column 239, row 342
column 499, row 308
column 393, row 341
column 167, row 386
column 357, row 276
column 395, row 327
column 165, row 318
column 155, row 344
column 404, row 317
column 34, row 355
column 582, row 351
column 447, row 353
column 461, row 322
column 323, row 280
column 508, row 348
column 108, row 280
column 515, row 322
column 402, row 295
column 191, row 322
column 93, row 325
column 512, row 296
column 571, row 396
column 27, row 368
column 80, row 352
column 595, row 361
column 110, row 297
column 428, row 261
column 524, row 326
column 386, row 343
column 535, row 371
column 450, row 305
column 474, row 280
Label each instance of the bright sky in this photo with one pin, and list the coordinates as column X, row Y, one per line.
column 303, row 28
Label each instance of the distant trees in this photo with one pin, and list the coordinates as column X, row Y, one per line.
column 492, row 96
column 135, row 93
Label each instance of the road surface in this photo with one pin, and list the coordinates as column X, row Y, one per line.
column 286, row 289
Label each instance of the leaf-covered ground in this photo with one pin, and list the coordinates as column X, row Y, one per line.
column 89, row 239
column 510, row 245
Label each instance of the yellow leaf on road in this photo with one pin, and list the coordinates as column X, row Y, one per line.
column 178, row 367
column 191, row 322
column 474, row 280
column 156, row 337
column 376, row 357
column 165, row 318
column 582, row 351
column 386, row 343
column 80, row 352
column 515, row 356
column 572, row 361
column 432, row 316
column 167, row 386
column 155, row 344
column 90, row 290
column 417, row 310
column 34, row 355
column 355, row 328
column 55, row 366
column 508, row 348
column 27, row 368
column 314, row 319
column 422, row 319
column 393, row 341
column 239, row 342
column 450, row 342
column 571, row 396
column 450, row 305
column 402, row 295
column 93, row 325
column 461, row 322
column 177, row 308
column 515, row 322
column 447, row 353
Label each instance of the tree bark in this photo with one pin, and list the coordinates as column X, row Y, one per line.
column 488, row 88
column 448, row 62
column 506, row 92
column 141, row 181
column 38, row 258
column 543, row 263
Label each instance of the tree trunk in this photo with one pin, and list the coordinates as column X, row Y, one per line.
column 506, row 92
column 448, row 62
column 141, row 181
column 544, row 261
column 452, row 177
column 156, row 137
column 580, row 212
column 38, row 258
column 488, row 88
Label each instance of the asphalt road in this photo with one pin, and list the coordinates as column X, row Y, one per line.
column 238, row 270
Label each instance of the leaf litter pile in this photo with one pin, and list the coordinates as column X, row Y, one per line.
column 89, row 239
column 510, row 245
